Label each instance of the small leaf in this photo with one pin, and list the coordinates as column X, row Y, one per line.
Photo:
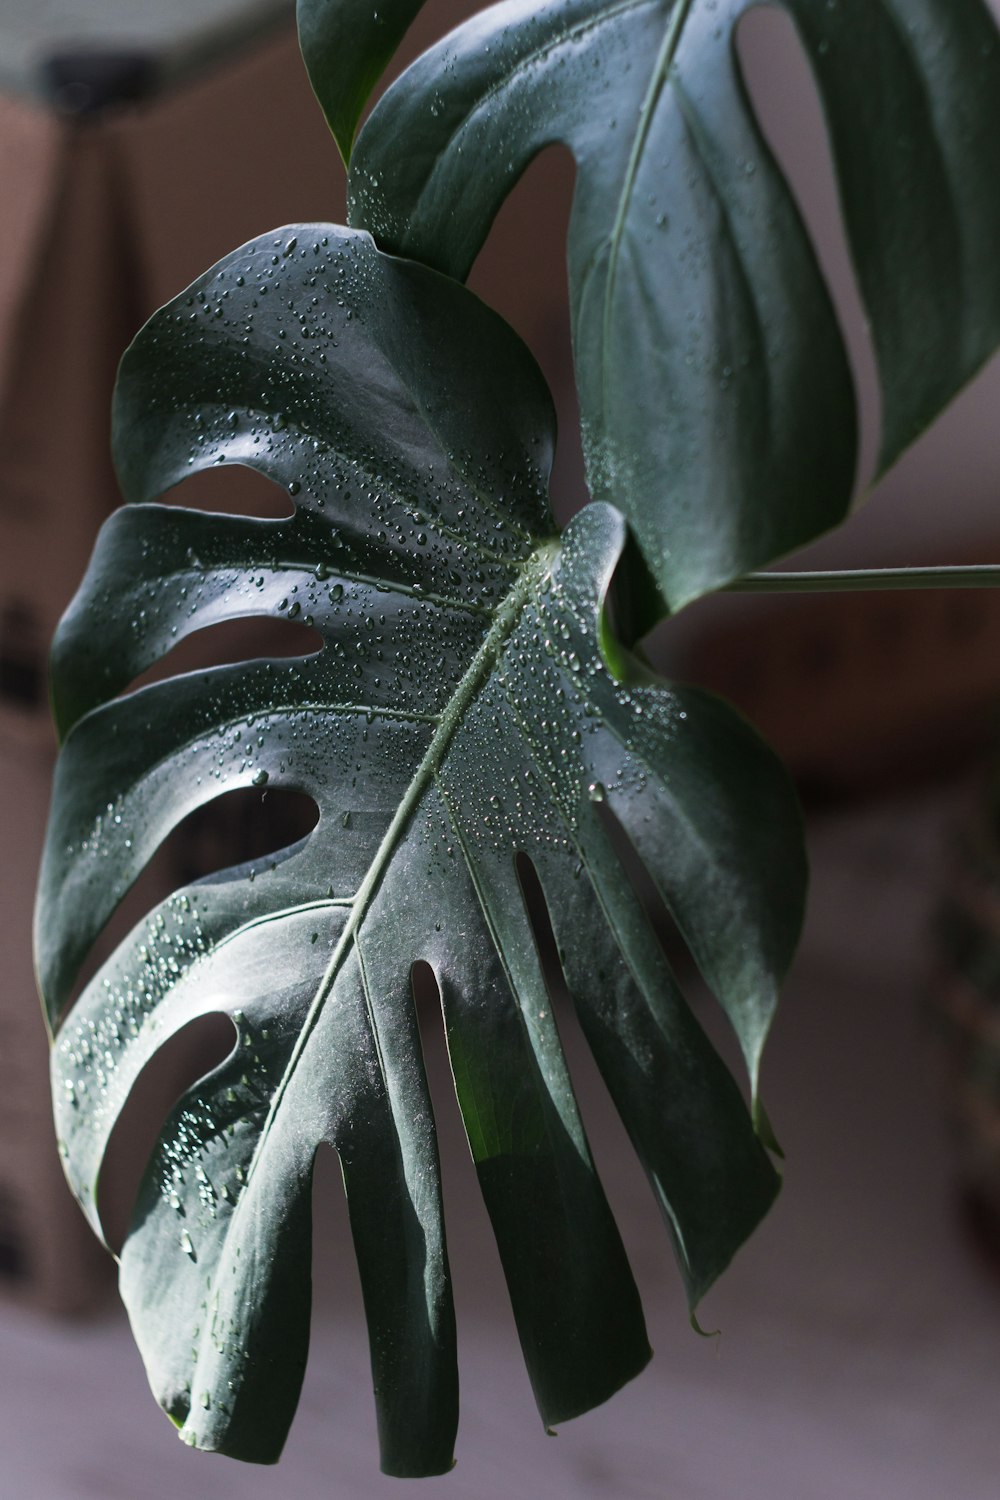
column 715, row 396
column 346, row 45
column 460, row 714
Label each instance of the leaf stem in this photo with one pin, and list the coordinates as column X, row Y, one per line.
column 859, row 580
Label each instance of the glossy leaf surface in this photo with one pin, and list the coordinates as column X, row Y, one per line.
column 716, row 399
column 346, row 45
column 462, row 710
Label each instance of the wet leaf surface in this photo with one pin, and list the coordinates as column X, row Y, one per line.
column 469, row 705
column 715, row 395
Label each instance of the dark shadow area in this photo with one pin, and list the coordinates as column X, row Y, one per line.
column 337, row 1288
column 22, row 656
column 14, row 1260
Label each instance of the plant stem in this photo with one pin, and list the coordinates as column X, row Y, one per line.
column 858, row 580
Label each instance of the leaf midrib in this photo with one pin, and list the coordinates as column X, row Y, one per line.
column 658, row 78
column 506, row 616
column 483, row 101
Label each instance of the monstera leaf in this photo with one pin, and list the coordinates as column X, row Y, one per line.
column 469, row 706
column 346, row 45
column 716, row 400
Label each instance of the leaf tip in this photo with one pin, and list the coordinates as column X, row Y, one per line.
column 703, row 1333
column 763, row 1127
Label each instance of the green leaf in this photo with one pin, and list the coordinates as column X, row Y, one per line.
column 461, row 712
column 716, row 400
column 346, row 45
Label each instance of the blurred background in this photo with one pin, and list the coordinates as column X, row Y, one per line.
column 139, row 141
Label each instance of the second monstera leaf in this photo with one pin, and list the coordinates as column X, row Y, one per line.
column 716, row 399
column 468, row 706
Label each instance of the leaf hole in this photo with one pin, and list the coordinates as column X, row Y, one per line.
column 521, row 272
column 333, row 1247
column 778, row 77
column 182, row 1061
column 426, row 995
column 478, row 1282
column 618, row 1165
column 649, row 898
column 232, row 641
column 537, row 912
column 680, row 959
column 232, row 490
column 246, row 826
